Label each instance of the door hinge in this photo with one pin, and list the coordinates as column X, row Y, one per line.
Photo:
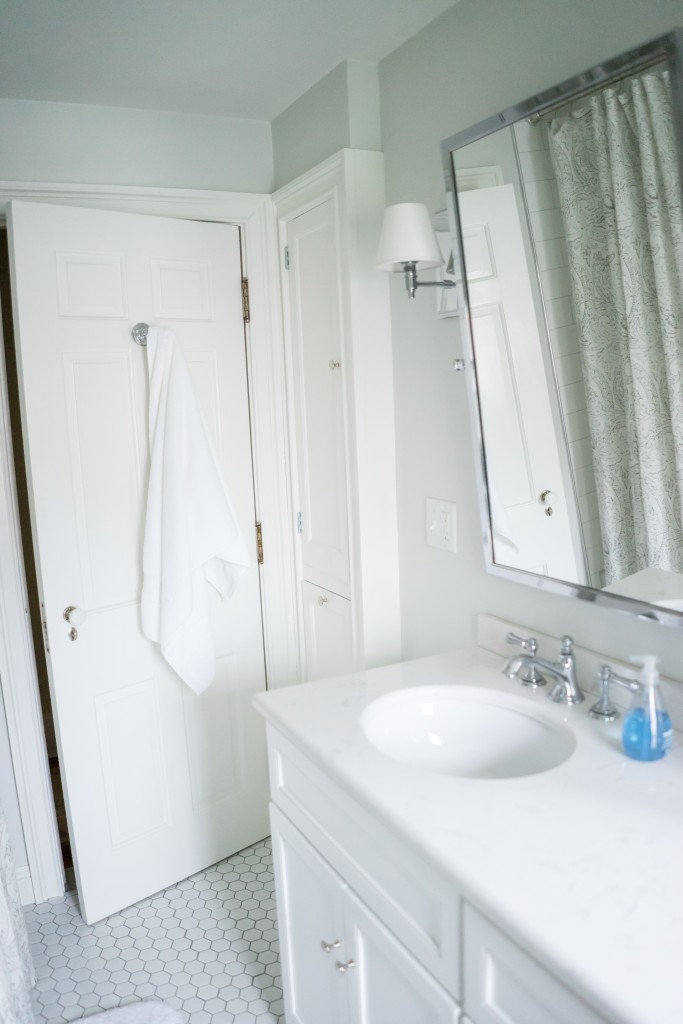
column 286, row 257
column 245, row 300
column 259, row 543
column 299, row 523
column 45, row 632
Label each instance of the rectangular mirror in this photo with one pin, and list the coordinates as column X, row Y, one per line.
column 567, row 225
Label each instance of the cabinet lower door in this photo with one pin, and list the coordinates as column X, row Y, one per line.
column 328, row 631
column 310, row 912
column 389, row 985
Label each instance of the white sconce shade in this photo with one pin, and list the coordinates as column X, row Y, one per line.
column 407, row 237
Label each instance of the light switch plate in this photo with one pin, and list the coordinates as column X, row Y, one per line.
column 440, row 524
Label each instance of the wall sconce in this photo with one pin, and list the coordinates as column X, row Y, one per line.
column 408, row 241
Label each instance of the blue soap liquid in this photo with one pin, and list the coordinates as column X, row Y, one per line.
column 639, row 741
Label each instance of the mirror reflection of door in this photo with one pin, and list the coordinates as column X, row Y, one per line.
column 596, row 174
column 534, row 526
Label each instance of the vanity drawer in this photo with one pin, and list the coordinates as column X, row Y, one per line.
column 504, row 985
column 417, row 903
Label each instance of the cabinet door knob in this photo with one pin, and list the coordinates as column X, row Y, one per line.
column 322, row 601
column 327, row 947
column 343, row 968
column 333, row 365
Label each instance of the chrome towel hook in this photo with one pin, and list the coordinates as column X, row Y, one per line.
column 140, row 334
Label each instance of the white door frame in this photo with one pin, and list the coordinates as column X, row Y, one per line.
column 254, row 215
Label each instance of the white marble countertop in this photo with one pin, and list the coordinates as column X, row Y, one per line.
column 583, row 864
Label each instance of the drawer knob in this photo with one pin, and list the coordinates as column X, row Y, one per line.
column 327, row 947
column 343, row 968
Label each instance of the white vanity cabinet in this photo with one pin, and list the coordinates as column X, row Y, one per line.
column 372, row 932
column 524, row 900
column 340, row 964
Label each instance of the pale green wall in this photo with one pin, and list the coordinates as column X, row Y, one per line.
column 71, row 142
column 479, row 57
column 341, row 111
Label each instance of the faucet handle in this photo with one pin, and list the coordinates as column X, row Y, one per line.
column 566, row 646
column 530, row 676
column 529, row 644
column 604, row 709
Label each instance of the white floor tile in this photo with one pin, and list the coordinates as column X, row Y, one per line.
column 208, row 947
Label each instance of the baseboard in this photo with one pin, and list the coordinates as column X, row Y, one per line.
column 26, row 894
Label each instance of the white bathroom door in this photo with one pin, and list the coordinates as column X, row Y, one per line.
column 159, row 783
column 523, row 459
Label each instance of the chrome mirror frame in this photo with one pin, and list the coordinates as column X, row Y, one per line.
column 669, row 49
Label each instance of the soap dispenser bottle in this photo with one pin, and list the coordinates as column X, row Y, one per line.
column 647, row 732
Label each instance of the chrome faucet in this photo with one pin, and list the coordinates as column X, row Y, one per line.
column 565, row 689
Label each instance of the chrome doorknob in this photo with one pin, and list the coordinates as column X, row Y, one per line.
column 545, row 498
column 74, row 616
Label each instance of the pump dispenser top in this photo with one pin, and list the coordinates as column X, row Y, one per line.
column 649, row 676
column 647, row 731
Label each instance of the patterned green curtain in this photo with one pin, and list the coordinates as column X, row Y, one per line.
column 615, row 158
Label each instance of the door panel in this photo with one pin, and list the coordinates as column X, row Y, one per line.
column 159, row 783
column 524, row 450
column 107, row 487
column 315, row 310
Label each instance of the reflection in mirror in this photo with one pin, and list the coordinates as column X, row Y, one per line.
column 571, row 229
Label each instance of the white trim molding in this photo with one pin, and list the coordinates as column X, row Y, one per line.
column 25, row 885
column 253, row 214
column 19, row 684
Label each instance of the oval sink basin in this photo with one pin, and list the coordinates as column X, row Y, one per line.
column 466, row 732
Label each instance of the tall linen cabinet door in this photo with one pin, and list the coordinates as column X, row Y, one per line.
column 314, row 279
column 310, row 897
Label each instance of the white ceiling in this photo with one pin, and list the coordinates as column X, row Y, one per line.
column 237, row 58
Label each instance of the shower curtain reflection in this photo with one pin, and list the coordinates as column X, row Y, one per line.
column 614, row 154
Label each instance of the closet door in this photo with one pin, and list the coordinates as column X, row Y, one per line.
column 159, row 782
column 314, row 280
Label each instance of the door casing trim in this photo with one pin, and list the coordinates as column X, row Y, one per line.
column 254, row 215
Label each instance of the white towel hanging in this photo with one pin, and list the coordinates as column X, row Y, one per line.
column 191, row 533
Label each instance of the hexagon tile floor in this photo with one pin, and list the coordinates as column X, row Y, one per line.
column 208, row 947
